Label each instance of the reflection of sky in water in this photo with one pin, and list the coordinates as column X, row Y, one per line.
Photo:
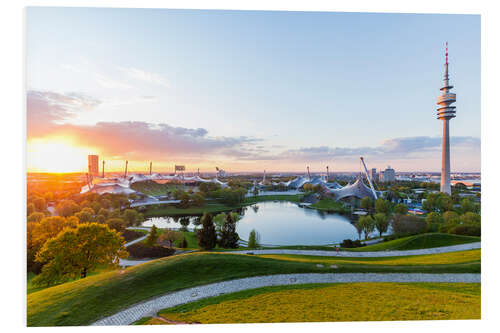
column 283, row 223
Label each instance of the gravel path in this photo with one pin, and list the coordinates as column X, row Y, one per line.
column 151, row 307
column 444, row 249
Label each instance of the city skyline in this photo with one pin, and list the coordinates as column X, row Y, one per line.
column 246, row 90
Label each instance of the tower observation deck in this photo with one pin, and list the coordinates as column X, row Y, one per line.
column 445, row 112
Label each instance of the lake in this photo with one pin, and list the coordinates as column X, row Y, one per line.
column 280, row 223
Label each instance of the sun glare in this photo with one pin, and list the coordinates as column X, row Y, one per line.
column 56, row 156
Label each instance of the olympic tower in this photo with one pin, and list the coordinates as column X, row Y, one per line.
column 445, row 112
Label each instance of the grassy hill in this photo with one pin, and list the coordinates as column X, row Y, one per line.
column 423, row 241
column 84, row 301
column 333, row 302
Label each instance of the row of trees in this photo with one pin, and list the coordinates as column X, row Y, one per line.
column 227, row 237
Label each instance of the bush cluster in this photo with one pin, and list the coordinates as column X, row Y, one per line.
column 130, row 235
column 349, row 244
column 140, row 250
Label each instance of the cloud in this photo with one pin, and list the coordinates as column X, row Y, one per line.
column 48, row 114
column 408, row 148
column 145, row 76
column 46, row 109
column 107, row 82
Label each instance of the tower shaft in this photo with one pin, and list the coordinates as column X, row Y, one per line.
column 445, row 158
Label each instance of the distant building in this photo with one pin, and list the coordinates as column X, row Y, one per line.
column 389, row 175
column 94, row 165
column 373, row 174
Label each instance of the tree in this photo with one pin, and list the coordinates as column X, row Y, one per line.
column 116, row 224
column 219, row 221
column 184, row 243
column 381, row 222
column 408, row 224
column 253, row 239
column 198, row 200
column 207, row 237
column 77, row 252
column 170, row 237
column 40, row 204
column 367, row 224
column 184, row 221
column 131, row 217
column 366, row 203
column 430, row 202
column 471, row 219
column 433, row 221
column 184, row 198
column 359, row 228
column 229, row 237
column 67, row 208
column 86, row 215
column 152, row 238
column 466, row 206
column 444, row 202
column 35, row 217
column 401, row 209
column 382, row 206
column 451, row 218
column 30, row 209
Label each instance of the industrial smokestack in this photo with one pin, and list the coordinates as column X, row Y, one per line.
column 150, row 168
column 103, row 162
column 264, row 177
column 126, row 166
column 308, row 173
column 327, row 174
column 198, row 172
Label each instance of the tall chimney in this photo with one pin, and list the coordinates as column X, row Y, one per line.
column 327, row 174
column 150, row 168
column 103, row 162
column 308, row 173
column 126, row 166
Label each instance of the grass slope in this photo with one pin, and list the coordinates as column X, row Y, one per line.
column 423, row 241
column 84, row 301
column 336, row 302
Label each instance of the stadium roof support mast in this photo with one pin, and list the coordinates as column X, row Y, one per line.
column 368, row 177
column 445, row 112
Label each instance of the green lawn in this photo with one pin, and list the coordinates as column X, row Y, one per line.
column 84, row 301
column 422, row 241
column 215, row 207
column 330, row 205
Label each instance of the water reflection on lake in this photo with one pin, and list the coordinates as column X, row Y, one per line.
column 278, row 223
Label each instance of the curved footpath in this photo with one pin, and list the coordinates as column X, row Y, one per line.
column 151, row 307
column 126, row 262
column 435, row 250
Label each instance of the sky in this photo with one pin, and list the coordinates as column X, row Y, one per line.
column 248, row 90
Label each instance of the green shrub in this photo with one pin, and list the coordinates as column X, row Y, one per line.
column 466, row 230
column 349, row 244
column 141, row 250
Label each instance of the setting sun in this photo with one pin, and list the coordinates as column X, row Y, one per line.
column 56, row 155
